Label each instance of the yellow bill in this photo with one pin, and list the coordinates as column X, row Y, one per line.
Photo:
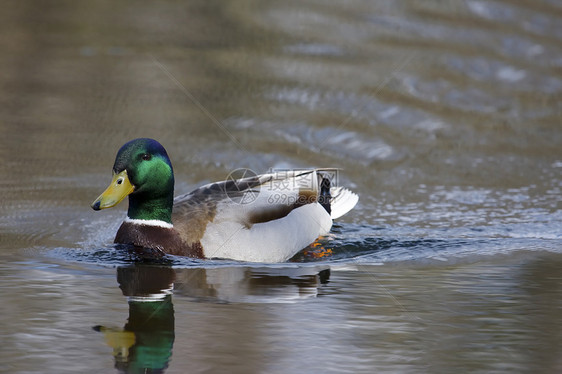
column 118, row 189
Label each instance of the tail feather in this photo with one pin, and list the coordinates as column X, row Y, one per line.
column 343, row 200
column 325, row 197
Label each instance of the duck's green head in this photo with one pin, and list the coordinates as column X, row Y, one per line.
column 142, row 171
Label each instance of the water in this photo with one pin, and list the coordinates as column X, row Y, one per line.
column 443, row 116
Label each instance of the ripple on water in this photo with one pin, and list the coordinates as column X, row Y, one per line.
column 360, row 244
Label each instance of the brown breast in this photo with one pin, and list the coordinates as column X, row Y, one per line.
column 163, row 239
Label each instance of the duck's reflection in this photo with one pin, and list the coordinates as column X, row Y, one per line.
column 250, row 285
column 144, row 344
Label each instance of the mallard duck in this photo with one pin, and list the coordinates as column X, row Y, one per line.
column 257, row 218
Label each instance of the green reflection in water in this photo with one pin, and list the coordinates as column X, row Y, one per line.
column 145, row 343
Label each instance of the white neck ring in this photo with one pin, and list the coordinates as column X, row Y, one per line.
column 149, row 222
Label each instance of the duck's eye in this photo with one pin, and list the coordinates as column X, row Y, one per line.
column 146, row 156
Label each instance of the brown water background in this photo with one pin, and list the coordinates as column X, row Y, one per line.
column 444, row 116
